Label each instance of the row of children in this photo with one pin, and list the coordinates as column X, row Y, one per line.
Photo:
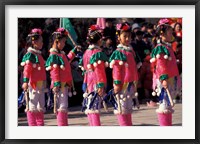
column 124, row 73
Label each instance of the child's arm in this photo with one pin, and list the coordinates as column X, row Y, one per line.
column 71, row 55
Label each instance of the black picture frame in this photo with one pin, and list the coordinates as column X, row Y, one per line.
column 3, row 4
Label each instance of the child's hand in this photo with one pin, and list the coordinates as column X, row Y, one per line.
column 117, row 88
column 100, row 91
column 164, row 84
column 25, row 86
column 56, row 89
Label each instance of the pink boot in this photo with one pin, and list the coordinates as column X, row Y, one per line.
column 66, row 119
column 165, row 119
column 31, row 117
column 129, row 119
column 40, row 118
column 122, row 119
column 61, row 119
column 95, row 119
column 90, row 119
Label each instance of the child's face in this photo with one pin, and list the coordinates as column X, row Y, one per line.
column 38, row 43
column 125, row 38
column 168, row 36
column 61, row 43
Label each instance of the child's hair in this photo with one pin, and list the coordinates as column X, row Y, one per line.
column 162, row 28
column 94, row 34
column 94, row 37
column 59, row 34
column 123, row 27
column 32, row 36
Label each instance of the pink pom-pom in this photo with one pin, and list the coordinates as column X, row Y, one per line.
column 99, row 62
column 34, row 65
column 136, row 94
column 95, row 64
column 153, row 93
column 165, row 56
column 89, row 66
column 39, row 68
column 106, row 64
column 28, row 61
column 126, row 64
column 157, row 56
column 62, row 67
column 55, row 65
column 70, row 94
column 74, row 93
column 48, row 68
column 121, row 63
column 152, row 60
column 23, row 63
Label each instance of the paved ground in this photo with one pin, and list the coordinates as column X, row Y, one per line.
column 145, row 116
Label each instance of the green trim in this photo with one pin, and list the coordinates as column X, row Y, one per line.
column 117, row 55
column 25, row 79
column 100, row 85
column 80, row 62
column 57, row 84
column 74, row 50
column 54, row 59
column 98, row 56
column 163, row 77
column 31, row 57
column 117, row 82
column 158, row 50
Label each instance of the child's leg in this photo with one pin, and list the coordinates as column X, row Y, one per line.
column 96, row 119
column 62, row 116
column 129, row 119
column 122, row 120
column 41, row 109
column 40, row 118
column 33, row 100
column 90, row 119
column 31, row 117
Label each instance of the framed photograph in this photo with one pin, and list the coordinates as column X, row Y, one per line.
column 187, row 131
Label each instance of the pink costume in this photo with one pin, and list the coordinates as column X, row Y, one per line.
column 34, row 74
column 165, row 68
column 125, row 74
column 61, row 76
column 94, row 62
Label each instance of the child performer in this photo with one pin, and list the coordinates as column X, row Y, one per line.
column 94, row 84
column 34, row 78
column 166, row 78
column 125, row 75
column 61, row 77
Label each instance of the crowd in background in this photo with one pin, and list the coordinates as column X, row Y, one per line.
column 143, row 41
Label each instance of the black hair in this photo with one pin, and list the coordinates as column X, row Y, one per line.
column 30, row 39
column 94, row 37
column 177, row 23
column 121, row 30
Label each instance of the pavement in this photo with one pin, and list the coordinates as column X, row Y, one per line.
column 145, row 116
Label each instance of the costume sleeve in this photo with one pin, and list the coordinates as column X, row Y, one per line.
column 71, row 55
column 161, row 68
column 98, row 60
column 54, row 63
column 160, row 57
column 27, row 72
column 116, row 60
column 29, row 60
column 117, row 69
column 100, row 75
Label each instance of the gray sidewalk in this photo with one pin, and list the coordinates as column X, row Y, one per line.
column 145, row 116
